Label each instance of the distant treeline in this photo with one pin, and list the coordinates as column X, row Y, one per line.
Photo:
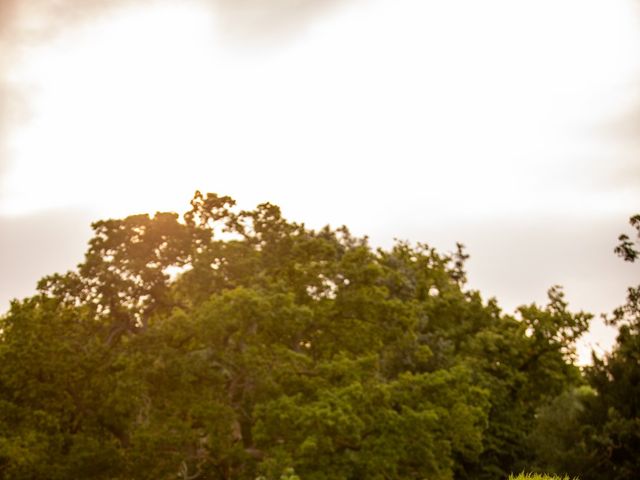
column 229, row 344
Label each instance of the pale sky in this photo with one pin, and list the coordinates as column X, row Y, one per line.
column 511, row 126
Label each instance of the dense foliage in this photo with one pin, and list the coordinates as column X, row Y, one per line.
column 229, row 344
column 595, row 431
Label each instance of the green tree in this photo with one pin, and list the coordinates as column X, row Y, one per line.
column 557, row 438
column 232, row 344
column 524, row 363
column 65, row 397
column 612, row 416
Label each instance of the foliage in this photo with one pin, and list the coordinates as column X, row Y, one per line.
column 557, row 437
column 594, row 431
column 234, row 344
column 612, row 419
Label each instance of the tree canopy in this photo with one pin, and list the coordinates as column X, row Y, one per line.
column 235, row 344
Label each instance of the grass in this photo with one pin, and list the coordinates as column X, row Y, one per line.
column 538, row 476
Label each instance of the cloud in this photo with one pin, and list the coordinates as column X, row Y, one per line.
column 7, row 14
column 32, row 23
column 13, row 110
column 39, row 19
column 627, row 127
column 625, row 131
column 37, row 245
column 240, row 18
column 23, row 24
column 263, row 20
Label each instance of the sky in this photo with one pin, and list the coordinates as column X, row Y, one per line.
column 512, row 126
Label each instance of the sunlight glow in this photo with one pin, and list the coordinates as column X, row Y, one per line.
column 490, row 106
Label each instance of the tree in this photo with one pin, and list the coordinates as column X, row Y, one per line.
column 612, row 416
column 65, row 397
column 232, row 344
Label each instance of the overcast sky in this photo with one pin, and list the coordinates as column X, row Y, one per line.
column 512, row 126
